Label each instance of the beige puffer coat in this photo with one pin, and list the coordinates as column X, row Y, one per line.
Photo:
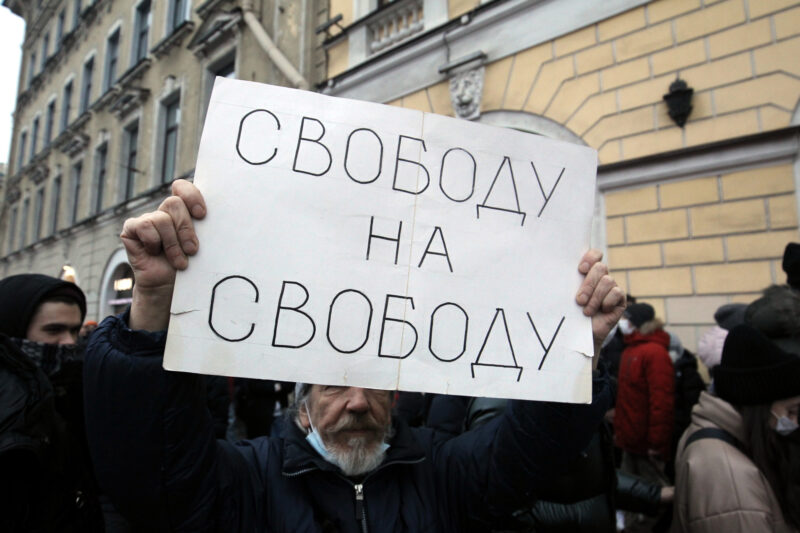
column 718, row 489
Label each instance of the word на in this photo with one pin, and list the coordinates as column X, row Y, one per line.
column 364, row 146
column 351, row 341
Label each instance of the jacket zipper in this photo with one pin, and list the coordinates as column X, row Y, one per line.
column 361, row 512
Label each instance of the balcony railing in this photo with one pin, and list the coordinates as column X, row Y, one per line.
column 395, row 24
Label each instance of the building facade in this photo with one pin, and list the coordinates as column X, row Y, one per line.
column 691, row 215
column 112, row 96
column 694, row 205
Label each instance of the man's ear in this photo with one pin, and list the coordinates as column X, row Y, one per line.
column 302, row 416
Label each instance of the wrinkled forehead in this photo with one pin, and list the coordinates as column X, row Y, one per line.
column 316, row 393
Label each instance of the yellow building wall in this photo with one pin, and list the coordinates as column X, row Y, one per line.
column 689, row 246
column 605, row 82
column 684, row 246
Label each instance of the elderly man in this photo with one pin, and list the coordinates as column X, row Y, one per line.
column 47, row 482
column 342, row 464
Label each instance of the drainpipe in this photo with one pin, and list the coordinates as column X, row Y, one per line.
column 277, row 57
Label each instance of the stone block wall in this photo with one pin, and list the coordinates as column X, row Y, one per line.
column 689, row 246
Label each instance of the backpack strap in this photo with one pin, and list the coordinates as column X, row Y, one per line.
column 714, row 433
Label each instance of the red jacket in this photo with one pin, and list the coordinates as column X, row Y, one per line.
column 645, row 397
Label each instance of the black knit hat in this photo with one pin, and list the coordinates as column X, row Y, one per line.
column 638, row 314
column 729, row 316
column 21, row 295
column 754, row 370
column 791, row 264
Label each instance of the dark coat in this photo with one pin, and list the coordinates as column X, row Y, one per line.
column 45, row 476
column 155, row 455
column 645, row 396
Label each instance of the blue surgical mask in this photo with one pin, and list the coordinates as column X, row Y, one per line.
column 785, row 425
column 315, row 440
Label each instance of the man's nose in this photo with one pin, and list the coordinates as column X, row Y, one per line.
column 67, row 337
column 357, row 399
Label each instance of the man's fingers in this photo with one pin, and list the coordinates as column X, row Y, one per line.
column 139, row 233
column 167, row 231
column 603, row 286
column 614, row 301
column 191, row 196
column 178, row 212
column 154, row 233
column 588, row 260
column 589, row 285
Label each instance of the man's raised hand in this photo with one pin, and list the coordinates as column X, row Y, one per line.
column 158, row 244
column 600, row 296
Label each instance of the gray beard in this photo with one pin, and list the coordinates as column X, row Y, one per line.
column 358, row 457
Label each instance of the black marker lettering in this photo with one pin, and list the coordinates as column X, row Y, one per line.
column 441, row 175
column 416, row 190
column 347, row 156
column 301, row 139
column 428, row 249
column 211, row 309
column 510, row 173
column 330, row 315
column 395, row 240
column 239, row 137
column 404, row 324
column 295, row 309
column 466, row 328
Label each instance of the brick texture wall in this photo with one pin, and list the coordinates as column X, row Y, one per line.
column 605, row 82
column 689, row 246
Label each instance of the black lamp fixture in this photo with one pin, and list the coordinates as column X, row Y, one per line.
column 679, row 101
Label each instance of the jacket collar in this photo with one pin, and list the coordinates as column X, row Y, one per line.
column 299, row 457
column 659, row 337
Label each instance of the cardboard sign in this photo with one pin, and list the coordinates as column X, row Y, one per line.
column 352, row 243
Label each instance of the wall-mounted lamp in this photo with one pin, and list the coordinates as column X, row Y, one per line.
column 679, row 101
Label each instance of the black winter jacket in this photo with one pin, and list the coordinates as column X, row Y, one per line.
column 46, row 483
column 155, row 455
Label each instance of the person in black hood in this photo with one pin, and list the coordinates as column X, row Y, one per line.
column 46, row 483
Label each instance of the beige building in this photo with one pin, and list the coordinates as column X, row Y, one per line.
column 692, row 215
column 112, row 96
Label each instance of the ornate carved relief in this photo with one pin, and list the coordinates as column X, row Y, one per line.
column 466, row 91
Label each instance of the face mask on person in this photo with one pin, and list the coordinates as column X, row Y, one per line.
column 785, row 425
column 626, row 327
column 315, row 440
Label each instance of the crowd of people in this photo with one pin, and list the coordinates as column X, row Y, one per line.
column 96, row 436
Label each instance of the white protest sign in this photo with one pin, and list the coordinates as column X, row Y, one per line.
column 352, row 243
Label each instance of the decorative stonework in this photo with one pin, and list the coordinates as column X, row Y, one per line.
column 39, row 172
column 106, row 98
column 172, row 40
column 127, row 100
column 13, row 195
column 466, row 91
column 395, row 23
column 135, row 72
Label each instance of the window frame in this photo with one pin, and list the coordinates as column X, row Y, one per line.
column 66, row 103
column 38, row 214
column 141, row 31
column 113, row 42
column 86, row 85
column 55, row 203
column 167, row 162
column 130, row 158
column 100, row 175
column 50, row 117
column 75, row 190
